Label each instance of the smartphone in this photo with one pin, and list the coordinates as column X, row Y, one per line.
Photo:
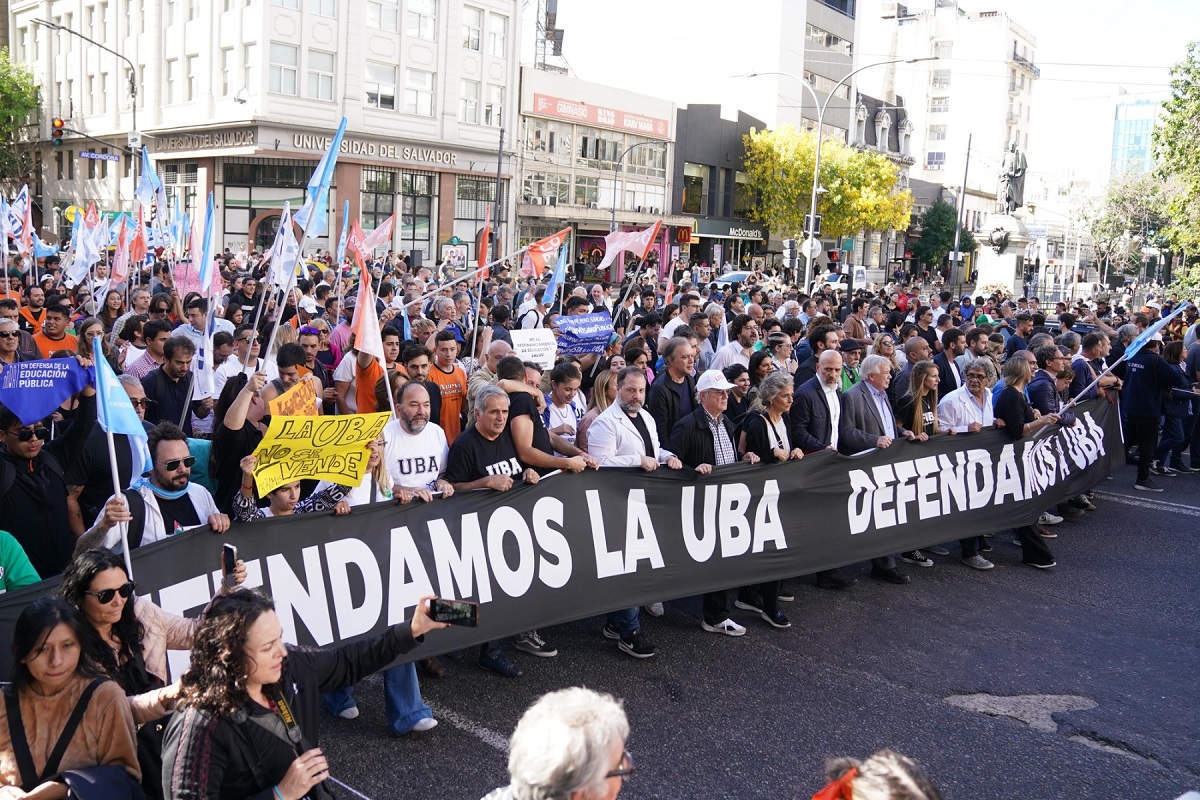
column 455, row 612
column 228, row 563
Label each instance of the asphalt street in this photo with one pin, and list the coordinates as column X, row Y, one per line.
column 1113, row 632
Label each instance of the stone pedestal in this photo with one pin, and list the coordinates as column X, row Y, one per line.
column 1008, row 235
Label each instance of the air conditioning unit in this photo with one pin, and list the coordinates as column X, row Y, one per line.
column 537, row 201
column 637, row 209
column 552, row 200
column 656, row 211
column 593, row 205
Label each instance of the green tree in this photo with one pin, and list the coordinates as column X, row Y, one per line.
column 937, row 234
column 860, row 186
column 1132, row 214
column 18, row 100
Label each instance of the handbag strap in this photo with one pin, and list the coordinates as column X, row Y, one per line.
column 16, row 732
column 29, row 774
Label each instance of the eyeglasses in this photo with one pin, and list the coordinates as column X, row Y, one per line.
column 142, row 403
column 25, row 434
column 976, row 377
column 105, row 596
column 9, row 334
column 624, row 768
column 308, row 331
column 174, row 463
column 159, row 310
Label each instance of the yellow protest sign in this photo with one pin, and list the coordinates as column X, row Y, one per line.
column 298, row 401
column 319, row 448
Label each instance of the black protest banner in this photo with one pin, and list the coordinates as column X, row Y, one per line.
column 575, row 546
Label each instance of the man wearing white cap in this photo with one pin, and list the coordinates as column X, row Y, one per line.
column 702, row 440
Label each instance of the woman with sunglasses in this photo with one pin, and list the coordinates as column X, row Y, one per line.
column 51, row 676
column 246, row 720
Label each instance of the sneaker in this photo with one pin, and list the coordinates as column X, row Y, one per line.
column 1082, row 503
column 1049, row 519
column 1156, row 468
column 1180, row 467
column 986, row 547
column 778, row 621
column 1147, row 486
column 1045, row 533
column 916, row 557
column 988, row 535
column 1043, row 566
column 1068, row 511
column 785, row 596
column 978, row 562
column 423, row 724
column 655, row 609
column 756, row 606
column 499, row 664
column 636, row 646
column 535, row 645
column 610, row 632
column 728, row 627
column 349, row 713
column 937, row 550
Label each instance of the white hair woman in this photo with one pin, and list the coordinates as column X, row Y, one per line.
column 569, row 745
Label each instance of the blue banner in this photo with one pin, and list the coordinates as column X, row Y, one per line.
column 33, row 390
column 584, row 333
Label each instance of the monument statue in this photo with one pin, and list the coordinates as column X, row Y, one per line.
column 1012, row 180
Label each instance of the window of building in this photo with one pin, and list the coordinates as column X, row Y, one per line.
column 102, row 21
column 695, row 189
column 104, row 163
column 247, row 62
column 472, row 31
column 89, row 106
column 169, row 12
column 549, row 141
column 844, row 6
column 598, row 149
column 418, row 195
column 743, row 195
column 587, row 190
column 939, row 78
column 89, row 19
column 418, row 92
column 493, row 109
column 58, row 163
column 548, row 185
column 191, row 79
column 937, row 133
column 91, row 168
column 103, row 87
column 827, row 85
column 284, row 69
column 939, row 105
column 468, row 102
column 320, row 75
column 141, row 16
column 473, row 197
column 226, row 70
column 826, row 39
column 944, row 49
column 497, row 35
column 420, row 21
column 383, row 15
column 172, row 73
column 378, row 197
column 323, row 8
column 641, row 198
column 381, row 86
column 648, row 157
column 935, row 160
column 193, row 9
column 292, row 4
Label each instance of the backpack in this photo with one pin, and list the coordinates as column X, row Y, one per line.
column 8, row 472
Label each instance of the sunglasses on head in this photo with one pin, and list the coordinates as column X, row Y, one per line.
column 309, row 331
column 174, row 463
column 159, row 310
column 25, row 434
column 105, row 596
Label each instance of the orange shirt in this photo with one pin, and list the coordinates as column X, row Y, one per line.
column 48, row 345
column 364, row 386
column 454, row 396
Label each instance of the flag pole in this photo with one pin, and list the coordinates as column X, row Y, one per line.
column 469, row 275
column 123, row 527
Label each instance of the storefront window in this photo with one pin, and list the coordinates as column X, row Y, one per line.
column 695, row 189
column 418, row 193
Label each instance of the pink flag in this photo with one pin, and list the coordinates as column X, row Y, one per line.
column 137, row 248
column 544, row 249
column 356, row 244
column 483, row 243
column 120, row 263
column 92, row 218
column 365, row 325
column 636, row 242
column 378, row 237
column 26, row 241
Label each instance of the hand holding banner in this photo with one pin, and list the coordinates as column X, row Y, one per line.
column 298, row 401
column 321, row 448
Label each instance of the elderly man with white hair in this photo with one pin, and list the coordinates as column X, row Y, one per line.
column 569, row 745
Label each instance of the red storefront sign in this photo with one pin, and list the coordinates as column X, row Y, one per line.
column 600, row 116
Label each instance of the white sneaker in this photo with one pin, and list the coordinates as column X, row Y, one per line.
column 655, row 609
column 349, row 713
column 423, row 724
column 728, row 627
column 1049, row 519
column 978, row 562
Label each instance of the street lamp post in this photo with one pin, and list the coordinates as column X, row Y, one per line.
column 133, row 88
column 812, row 212
column 612, row 225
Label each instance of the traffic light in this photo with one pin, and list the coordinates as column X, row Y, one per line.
column 812, row 225
column 790, row 255
column 834, row 255
column 56, row 135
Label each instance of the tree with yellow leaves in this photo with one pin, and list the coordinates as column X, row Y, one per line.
column 860, row 186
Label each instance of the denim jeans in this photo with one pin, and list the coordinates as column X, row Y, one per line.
column 1172, row 438
column 401, row 698
column 625, row 621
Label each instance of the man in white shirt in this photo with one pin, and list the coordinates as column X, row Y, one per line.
column 246, row 345
column 969, row 409
column 743, row 335
column 416, row 446
column 688, row 304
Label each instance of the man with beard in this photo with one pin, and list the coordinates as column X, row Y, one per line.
column 167, row 504
column 33, row 313
column 170, row 387
column 416, row 447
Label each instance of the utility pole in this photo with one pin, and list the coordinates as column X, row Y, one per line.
column 958, row 218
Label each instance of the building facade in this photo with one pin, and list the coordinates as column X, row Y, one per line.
column 241, row 98
column 1133, row 125
column 595, row 159
column 980, row 87
column 712, row 189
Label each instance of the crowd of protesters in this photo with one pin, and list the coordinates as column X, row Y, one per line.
column 694, row 377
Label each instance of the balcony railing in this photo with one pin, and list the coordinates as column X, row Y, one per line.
column 1027, row 64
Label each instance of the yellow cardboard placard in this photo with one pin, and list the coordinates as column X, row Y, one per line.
column 298, row 401
column 318, row 448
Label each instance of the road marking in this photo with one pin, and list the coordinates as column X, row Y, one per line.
column 485, row 735
column 1157, row 505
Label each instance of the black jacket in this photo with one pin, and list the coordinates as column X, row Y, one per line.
column 811, row 425
column 207, row 756
column 946, row 372
column 1148, row 382
column 662, row 403
column 760, row 440
column 692, row 440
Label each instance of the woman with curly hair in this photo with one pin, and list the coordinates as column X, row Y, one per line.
column 246, row 724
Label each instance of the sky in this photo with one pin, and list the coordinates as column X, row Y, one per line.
column 1088, row 52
